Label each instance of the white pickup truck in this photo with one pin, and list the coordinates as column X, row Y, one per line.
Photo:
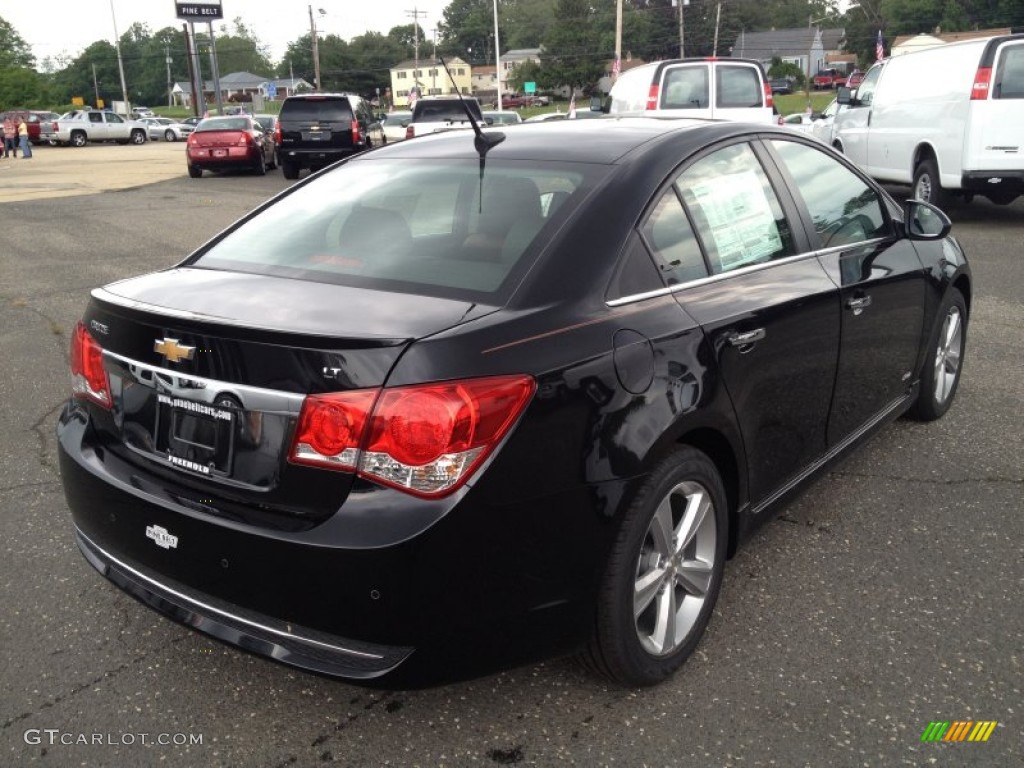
column 82, row 126
column 433, row 114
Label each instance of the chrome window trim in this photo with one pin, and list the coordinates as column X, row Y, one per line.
column 737, row 272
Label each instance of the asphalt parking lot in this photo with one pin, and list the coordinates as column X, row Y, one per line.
column 887, row 596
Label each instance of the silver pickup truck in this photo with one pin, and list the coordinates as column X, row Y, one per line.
column 82, row 126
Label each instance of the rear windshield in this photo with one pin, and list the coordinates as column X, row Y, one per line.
column 738, row 87
column 224, row 124
column 1009, row 80
column 326, row 109
column 442, row 111
column 686, row 88
column 414, row 226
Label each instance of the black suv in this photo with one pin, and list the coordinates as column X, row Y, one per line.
column 315, row 129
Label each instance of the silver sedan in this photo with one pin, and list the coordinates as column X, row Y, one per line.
column 166, row 128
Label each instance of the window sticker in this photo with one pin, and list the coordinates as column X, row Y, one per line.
column 740, row 218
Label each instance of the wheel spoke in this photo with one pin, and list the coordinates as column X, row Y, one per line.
column 697, row 506
column 646, row 588
column 695, row 577
column 661, row 527
column 664, row 635
column 952, row 329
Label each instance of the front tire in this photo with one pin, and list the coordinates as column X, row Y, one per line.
column 941, row 375
column 664, row 573
column 169, row 135
column 927, row 186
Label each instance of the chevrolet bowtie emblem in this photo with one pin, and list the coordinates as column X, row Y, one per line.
column 172, row 350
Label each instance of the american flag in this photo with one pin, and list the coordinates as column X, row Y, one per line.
column 879, row 47
column 616, row 68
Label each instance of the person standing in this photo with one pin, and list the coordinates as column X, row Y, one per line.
column 26, row 148
column 10, row 136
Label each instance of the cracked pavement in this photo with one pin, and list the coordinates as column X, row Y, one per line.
column 888, row 595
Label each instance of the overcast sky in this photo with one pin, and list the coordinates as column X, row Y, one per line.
column 53, row 27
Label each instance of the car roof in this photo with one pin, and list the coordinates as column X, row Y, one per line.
column 587, row 141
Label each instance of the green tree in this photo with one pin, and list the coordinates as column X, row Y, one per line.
column 467, row 30
column 14, row 51
column 525, row 23
column 570, row 56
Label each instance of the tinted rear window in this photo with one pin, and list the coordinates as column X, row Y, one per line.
column 441, row 111
column 686, row 88
column 1009, row 80
column 739, row 87
column 224, row 124
column 316, row 109
column 419, row 227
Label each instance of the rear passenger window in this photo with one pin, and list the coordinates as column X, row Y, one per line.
column 686, row 88
column 1009, row 80
column 845, row 210
column 735, row 211
column 671, row 239
column 738, row 87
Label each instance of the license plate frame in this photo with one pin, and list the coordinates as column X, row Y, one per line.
column 195, row 436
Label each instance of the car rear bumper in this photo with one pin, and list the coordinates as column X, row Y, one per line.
column 264, row 635
column 990, row 182
column 305, row 158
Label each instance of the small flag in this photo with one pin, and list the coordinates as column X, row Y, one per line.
column 879, row 47
column 572, row 106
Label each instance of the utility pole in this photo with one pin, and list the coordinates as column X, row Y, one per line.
column 497, row 53
column 682, row 47
column 191, row 68
column 416, row 13
column 95, row 85
column 316, row 51
column 617, row 66
column 718, row 18
column 120, row 62
column 215, row 70
column 167, row 59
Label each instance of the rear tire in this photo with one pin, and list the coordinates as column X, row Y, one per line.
column 138, row 137
column 261, row 164
column 944, row 361
column 664, row 573
column 289, row 170
column 927, row 186
column 78, row 139
column 195, row 172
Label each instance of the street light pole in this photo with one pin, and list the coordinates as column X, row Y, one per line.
column 497, row 53
column 316, row 50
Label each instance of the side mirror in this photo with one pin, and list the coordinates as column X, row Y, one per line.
column 405, row 123
column 489, row 120
column 924, row 221
column 844, row 95
column 817, row 116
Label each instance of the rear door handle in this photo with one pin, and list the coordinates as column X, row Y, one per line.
column 749, row 337
column 858, row 304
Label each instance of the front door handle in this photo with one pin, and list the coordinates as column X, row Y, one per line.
column 747, row 338
column 858, row 304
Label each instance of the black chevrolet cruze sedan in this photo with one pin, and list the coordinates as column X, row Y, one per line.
column 472, row 400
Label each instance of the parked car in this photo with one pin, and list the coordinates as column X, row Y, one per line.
column 854, row 79
column 798, row 121
column 448, row 406
column 167, row 129
column 435, row 114
column 945, row 120
column 81, row 126
column 235, row 142
column 501, row 117
column 140, row 112
column 824, row 122
column 268, row 123
column 725, row 89
column 515, row 100
column 316, row 129
column 394, row 125
column 781, row 84
column 828, row 79
column 581, row 114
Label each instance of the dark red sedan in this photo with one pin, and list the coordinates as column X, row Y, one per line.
column 233, row 142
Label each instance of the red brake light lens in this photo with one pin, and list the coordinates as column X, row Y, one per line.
column 982, row 81
column 88, row 376
column 331, row 428
column 652, row 96
column 355, row 132
column 769, row 98
column 426, row 440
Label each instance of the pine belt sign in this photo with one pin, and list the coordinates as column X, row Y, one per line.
column 199, row 11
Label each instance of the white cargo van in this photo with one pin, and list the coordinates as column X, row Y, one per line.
column 948, row 120
column 726, row 89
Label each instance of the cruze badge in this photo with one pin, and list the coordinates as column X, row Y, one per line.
column 161, row 536
column 172, row 350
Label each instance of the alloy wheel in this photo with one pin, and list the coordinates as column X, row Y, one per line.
column 947, row 355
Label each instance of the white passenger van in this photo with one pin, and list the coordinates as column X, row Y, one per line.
column 726, row 89
column 948, row 120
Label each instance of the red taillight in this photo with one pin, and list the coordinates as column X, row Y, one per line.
column 355, row 132
column 277, row 134
column 982, row 81
column 88, row 376
column 331, row 428
column 245, row 140
column 652, row 96
column 410, row 132
column 769, row 99
column 425, row 440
